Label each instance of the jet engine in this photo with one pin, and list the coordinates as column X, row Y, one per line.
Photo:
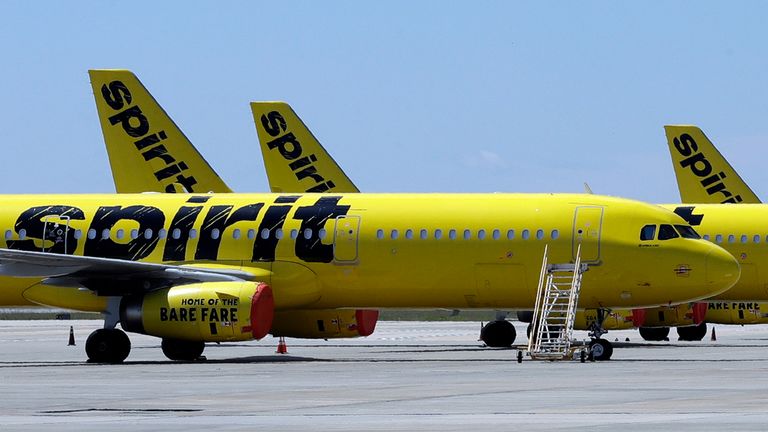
column 202, row 312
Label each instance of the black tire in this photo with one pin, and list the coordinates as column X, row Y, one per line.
column 654, row 333
column 498, row 334
column 600, row 349
column 182, row 350
column 692, row 333
column 107, row 346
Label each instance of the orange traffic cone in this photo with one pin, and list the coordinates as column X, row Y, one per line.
column 714, row 336
column 71, row 336
column 281, row 347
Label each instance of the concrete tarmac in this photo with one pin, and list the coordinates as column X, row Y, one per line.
column 407, row 376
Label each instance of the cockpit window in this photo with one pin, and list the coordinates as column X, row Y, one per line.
column 648, row 232
column 666, row 232
column 687, row 232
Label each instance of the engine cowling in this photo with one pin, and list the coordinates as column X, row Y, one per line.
column 324, row 323
column 209, row 312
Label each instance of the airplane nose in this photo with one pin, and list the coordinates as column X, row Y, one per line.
column 722, row 269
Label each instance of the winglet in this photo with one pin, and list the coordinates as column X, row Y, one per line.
column 147, row 151
column 703, row 174
column 294, row 159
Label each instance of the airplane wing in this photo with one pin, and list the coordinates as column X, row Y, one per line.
column 294, row 159
column 703, row 175
column 108, row 275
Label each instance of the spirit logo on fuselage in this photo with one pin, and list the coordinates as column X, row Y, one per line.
column 34, row 227
column 290, row 149
column 136, row 125
column 702, row 168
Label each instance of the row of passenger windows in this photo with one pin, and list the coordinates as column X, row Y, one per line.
column 667, row 232
column 466, row 234
column 265, row 233
column 744, row 238
column 120, row 234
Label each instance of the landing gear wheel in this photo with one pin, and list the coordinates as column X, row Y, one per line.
column 182, row 350
column 498, row 334
column 692, row 333
column 654, row 333
column 107, row 346
column 600, row 349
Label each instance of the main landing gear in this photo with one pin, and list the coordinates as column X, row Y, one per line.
column 692, row 333
column 107, row 345
column 655, row 334
column 498, row 334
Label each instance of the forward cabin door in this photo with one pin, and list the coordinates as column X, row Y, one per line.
column 345, row 239
column 55, row 234
column 587, row 222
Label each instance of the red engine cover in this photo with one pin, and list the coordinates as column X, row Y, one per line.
column 262, row 311
column 366, row 321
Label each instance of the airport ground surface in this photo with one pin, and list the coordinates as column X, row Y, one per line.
column 407, row 376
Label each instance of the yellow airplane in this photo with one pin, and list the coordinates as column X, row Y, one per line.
column 704, row 176
column 191, row 268
column 139, row 168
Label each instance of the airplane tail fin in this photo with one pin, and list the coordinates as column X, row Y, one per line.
column 294, row 159
column 703, row 174
column 147, row 151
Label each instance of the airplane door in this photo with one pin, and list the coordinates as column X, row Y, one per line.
column 587, row 222
column 345, row 238
column 55, row 231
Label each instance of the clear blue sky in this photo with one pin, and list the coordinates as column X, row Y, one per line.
column 408, row 96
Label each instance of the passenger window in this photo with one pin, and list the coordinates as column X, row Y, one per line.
column 91, row 234
column 176, row 233
column 467, row 234
column 706, row 237
column 120, row 234
column 279, row 233
column 510, row 234
column 423, row 234
column 719, row 238
column 394, row 234
column 731, row 238
column 648, row 232
column 438, row 234
column 525, row 234
column 192, row 233
column 308, row 233
column 105, row 234
column 265, row 233
column 8, row 234
column 452, row 234
column 321, row 233
column 555, row 234
column 756, row 239
column 294, row 234
column 687, row 232
column 496, row 234
column 481, row 234
column 236, row 233
column 539, row 234
column 148, row 233
column 409, row 234
column 252, row 234
column 743, row 238
column 379, row 234
column 666, row 232
column 134, row 233
column 215, row 233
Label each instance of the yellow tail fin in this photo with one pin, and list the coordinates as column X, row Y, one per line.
column 147, row 151
column 703, row 174
column 294, row 159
